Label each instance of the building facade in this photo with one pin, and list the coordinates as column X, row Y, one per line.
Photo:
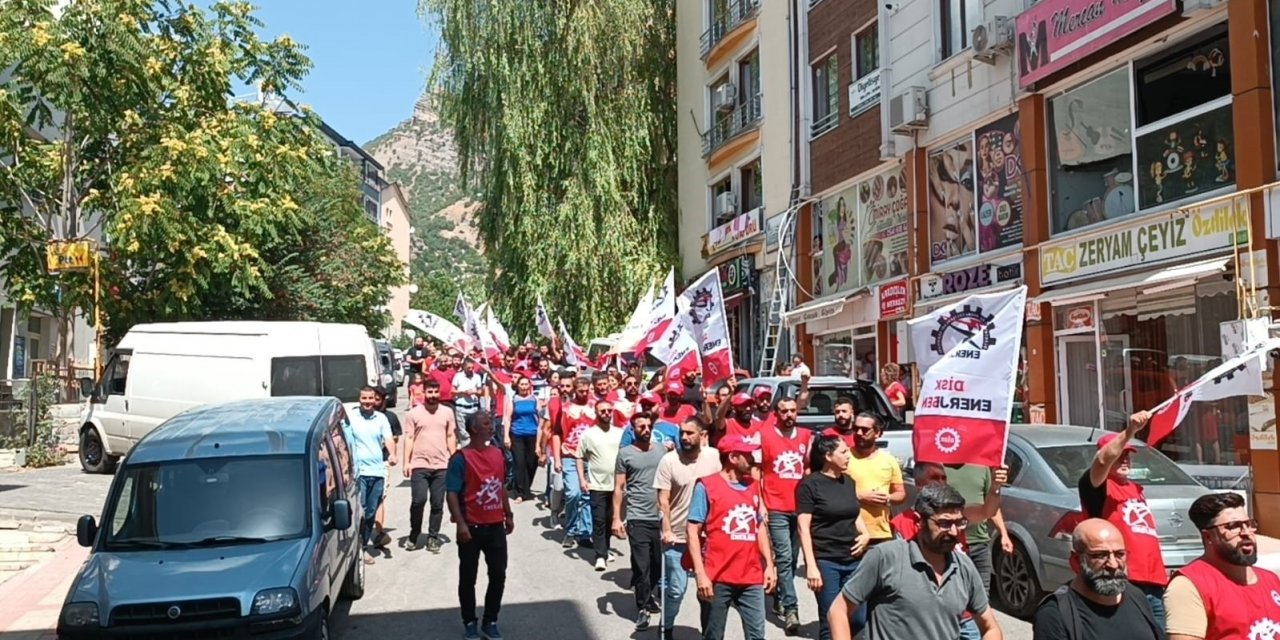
column 397, row 224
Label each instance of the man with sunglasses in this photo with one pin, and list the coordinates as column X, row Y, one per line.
column 1222, row 595
column 875, row 473
column 1107, row 492
column 598, row 451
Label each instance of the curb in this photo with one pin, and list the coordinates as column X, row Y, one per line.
column 38, row 521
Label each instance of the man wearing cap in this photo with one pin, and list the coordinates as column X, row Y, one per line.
column 675, row 409
column 734, row 419
column 763, row 399
column 784, row 461
column 665, row 434
column 735, row 568
column 1106, row 492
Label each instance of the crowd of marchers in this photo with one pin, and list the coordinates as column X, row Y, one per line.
column 723, row 490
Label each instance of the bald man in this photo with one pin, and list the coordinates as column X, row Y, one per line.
column 1100, row 602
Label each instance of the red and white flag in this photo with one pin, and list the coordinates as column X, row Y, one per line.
column 968, row 357
column 543, row 320
column 496, row 330
column 678, row 348
column 1239, row 376
column 480, row 336
column 461, row 309
column 702, row 305
column 573, row 354
column 636, row 326
column 661, row 314
column 433, row 325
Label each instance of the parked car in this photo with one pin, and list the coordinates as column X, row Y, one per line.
column 229, row 520
column 160, row 370
column 1041, row 506
column 823, row 393
column 388, row 378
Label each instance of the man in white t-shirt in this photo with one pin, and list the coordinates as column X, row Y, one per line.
column 468, row 392
column 799, row 369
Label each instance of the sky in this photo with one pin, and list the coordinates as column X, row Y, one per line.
column 370, row 59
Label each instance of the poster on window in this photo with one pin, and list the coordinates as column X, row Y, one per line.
column 839, row 263
column 1091, row 122
column 952, row 227
column 882, row 202
column 1186, row 159
column 1000, row 184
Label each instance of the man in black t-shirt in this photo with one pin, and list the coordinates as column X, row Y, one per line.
column 417, row 356
column 382, row 539
column 1099, row 603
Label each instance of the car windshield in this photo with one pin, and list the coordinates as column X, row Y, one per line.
column 208, row 502
column 1147, row 466
column 822, row 399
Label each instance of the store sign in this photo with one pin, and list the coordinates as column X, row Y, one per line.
column 735, row 275
column 1153, row 240
column 732, row 232
column 1056, row 33
column 882, row 212
column 1080, row 318
column 864, row 93
column 969, row 279
column 893, row 299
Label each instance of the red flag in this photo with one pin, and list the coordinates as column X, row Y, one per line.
column 950, row 440
column 1167, row 418
column 1239, row 376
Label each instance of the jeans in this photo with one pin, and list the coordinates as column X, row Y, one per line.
column 645, row 540
column 460, row 418
column 980, row 554
column 550, row 469
column 674, row 582
column 749, row 601
column 601, row 523
column 1155, row 596
column 491, row 540
column 525, row 451
column 969, row 630
column 785, row 538
column 426, row 484
column 834, row 575
column 371, row 488
column 577, row 506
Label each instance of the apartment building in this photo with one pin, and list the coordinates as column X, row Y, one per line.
column 397, row 223
column 735, row 153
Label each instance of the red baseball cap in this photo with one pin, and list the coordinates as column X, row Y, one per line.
column 675, row 386
column 739, row 399
column 650, row 397
column 1108, row 437
column 761, row 392
column 734, row 443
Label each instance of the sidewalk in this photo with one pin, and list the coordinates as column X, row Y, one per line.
column 33, row 599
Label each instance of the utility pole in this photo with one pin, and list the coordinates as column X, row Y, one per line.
column 70, row 223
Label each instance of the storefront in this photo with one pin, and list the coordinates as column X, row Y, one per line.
column 738, row 283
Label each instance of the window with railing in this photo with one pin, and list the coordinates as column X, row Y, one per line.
column 826, row 95
column 743, row 117
column 725, row 16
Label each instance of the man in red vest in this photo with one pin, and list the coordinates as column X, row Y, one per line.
column 784, row 461
column 1106, row 492
column 1221, row 595
column 478, row 503
column 734, row 563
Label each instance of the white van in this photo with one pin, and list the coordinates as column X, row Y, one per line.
column 160, row 370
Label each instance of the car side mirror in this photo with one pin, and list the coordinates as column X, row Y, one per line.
column 86, row 387
column 86, row 531
column 341, row 515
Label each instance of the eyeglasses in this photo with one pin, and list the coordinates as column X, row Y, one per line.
column 950, row 523
column 1103, row 556
column 857, row 429
column 1235, row 526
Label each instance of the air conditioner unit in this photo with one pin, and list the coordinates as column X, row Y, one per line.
column 1193, row 7
column 992, row 39
column 726, row 206
column 724, row 97
column 909, row 110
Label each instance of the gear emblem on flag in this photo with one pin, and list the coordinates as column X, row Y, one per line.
column 947, row 440
column 967, row 325
column 701, row 307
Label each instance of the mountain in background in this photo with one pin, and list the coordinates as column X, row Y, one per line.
column 419, row 153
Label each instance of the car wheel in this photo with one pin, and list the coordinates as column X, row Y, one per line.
column 353, row 586
column 322, row 631
column 1016, row 587
column 93, row 455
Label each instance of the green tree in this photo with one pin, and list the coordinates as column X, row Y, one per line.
column 564, row 117
column 208, row 208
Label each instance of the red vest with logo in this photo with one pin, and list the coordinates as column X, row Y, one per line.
column 484, row 497
column 783, row 460
column 623, row 409
column 1127, row 509
column 731, row 553
column 1236, row 611
column 575, row 419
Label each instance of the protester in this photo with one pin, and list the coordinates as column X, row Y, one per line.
column 1099, row 603
column 976, row 484
column 546, row 447
column 522, row 436
column 469, row 391
column 576, row 416
column 635, row 503
column 891, row 382
column 1222, row 595
column 783, row 463
column 798, row 368
column 598, row 451
column 675, row 479
column 370, row 437
column 478, row 504
column 831, row 532
column 763, row 414
column 875, row 473
column 430, row 440
column 416, row 389
column 417, row 356
column 735, row 568
column 381, row 538
column 842, row 417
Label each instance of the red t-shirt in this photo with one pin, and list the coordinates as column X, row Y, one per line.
column 847, row 437
column 682, row 413
column 575, row 419
column 768, row 420
column 783, row 460
column 445, row 378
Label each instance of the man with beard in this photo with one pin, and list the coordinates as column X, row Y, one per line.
column 918, row 588
column 875, row 473
column 600, row 386
column 783, row 461
column 665, row 433
column 626, row 401
column 598, row 451
column 1106, row 492
column 763, row 413
column 675, row 409
column 576, row 416
column 842, row 414
column 430, row 440
column 637, row 467
column 733, row 418
column 417, row 356
column 676, row 476
column 1099, row 603
column 1221, row 595
column 692, row 394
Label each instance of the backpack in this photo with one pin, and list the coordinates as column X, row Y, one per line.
column 1067, row 610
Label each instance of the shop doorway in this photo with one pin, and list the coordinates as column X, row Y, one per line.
column 1078, row 380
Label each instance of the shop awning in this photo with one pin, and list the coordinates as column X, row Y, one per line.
column 820, row 308
column 1161, row 280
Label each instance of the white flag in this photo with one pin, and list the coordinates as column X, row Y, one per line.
column 496, row 330
column 634, row 330
column 439, row 328
column 572, row 352
column 660, row 314
column 461, row 310
column 678, row 348
column 480, row 335
column 1239, row 376
column 543, row 320
column 702, row 304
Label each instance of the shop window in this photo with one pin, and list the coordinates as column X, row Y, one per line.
column 833, row 354
column 826, row 95
column 1174, row 83
column 866, row 51
column 723, row 209
column 751, row 186
column 1091, row 153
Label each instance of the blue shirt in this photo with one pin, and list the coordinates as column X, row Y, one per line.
column 663, row 432
column 524, row 416
column 368, row 435
column 700, row 506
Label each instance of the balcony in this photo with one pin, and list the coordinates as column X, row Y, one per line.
column 732, row 232
column 735, row 13
column 744, row 117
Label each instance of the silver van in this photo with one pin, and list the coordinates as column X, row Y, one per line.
column 228, row 521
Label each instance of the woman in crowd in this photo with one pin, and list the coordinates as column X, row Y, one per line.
column 832, row 535
column 522, row 434
column 890, row 381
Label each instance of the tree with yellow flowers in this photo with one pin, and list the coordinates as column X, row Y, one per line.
column 117, row 121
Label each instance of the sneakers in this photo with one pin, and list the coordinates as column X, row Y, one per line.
column 642, row 621
column 471, row 631
column 383, row 540
column 792, row 623
column 600, row 564
column 777, row 608
column 411, row 543
column 653, row 606
column 568, row 543
column 433, row 545
column 490, row 631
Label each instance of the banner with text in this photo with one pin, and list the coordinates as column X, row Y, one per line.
column 882, row 208
column 967, row 353
column 439, row 328
column 702, row 305
column 677, row 347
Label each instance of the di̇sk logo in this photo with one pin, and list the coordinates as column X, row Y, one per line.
column 789, row 465
column 969, row 326
column 489, row 497
column 947, row 440
column 1264, row 629
column 701, row 307
column 1275, row 597
column 740, row 523
column 1137, row 516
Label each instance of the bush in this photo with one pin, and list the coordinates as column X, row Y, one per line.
column 46, row 451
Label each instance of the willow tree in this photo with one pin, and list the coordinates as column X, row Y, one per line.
column 564, row 116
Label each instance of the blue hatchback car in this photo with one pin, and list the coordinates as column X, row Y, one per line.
column 235, row 520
